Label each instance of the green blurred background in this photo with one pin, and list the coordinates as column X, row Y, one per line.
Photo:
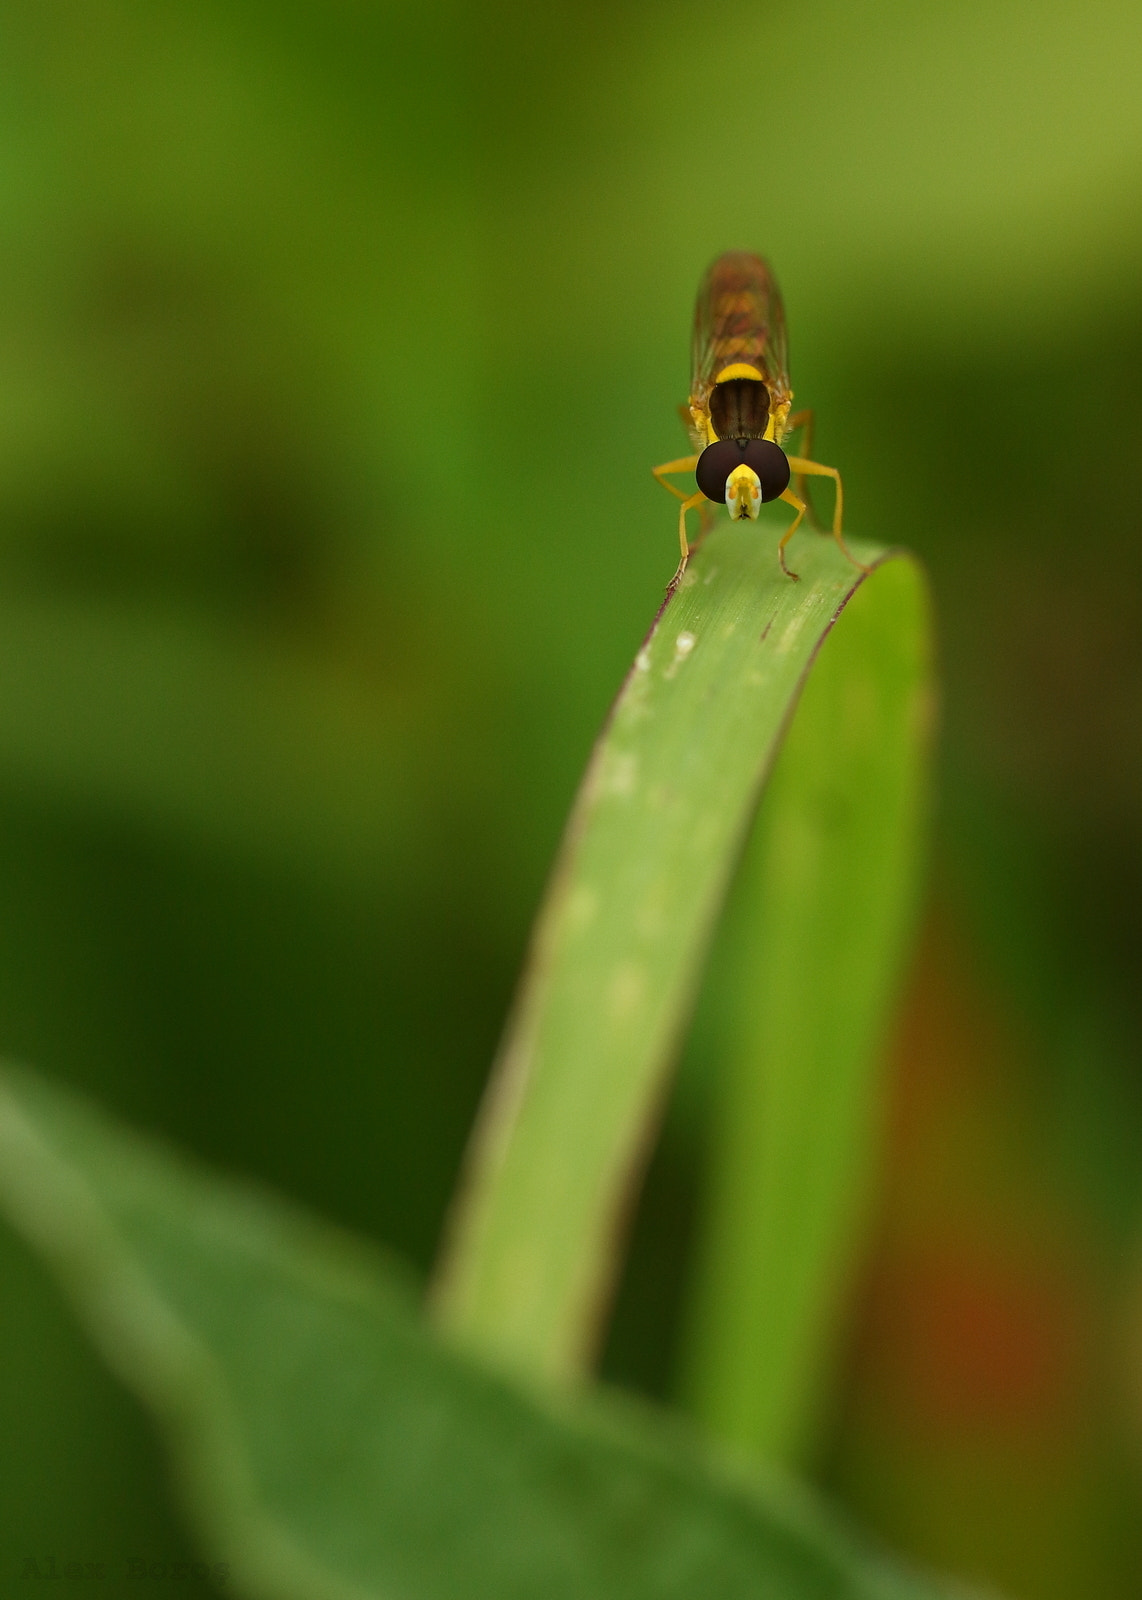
column 336, row 344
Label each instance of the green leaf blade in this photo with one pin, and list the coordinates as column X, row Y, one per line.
column 328, row 1448
column 807, row 965
column 655, row 835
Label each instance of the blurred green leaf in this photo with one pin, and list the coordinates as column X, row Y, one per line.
column 328, row 1449
column 618, row 949
column 220, row 734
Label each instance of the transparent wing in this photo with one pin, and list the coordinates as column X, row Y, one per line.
column 739, row 317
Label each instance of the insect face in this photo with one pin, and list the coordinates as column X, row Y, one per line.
column 743, row 472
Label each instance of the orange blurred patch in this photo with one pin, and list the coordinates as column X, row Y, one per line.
column 958, row 1339
column 978, row 1314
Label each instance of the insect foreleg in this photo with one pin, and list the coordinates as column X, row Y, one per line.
column 814, row 469
column 683, row 464
column 790, row 499
column 804, row 421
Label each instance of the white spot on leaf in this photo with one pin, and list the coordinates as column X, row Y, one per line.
column 626, row 990
column 582, row 907
column 683, row 645
column 621, row 774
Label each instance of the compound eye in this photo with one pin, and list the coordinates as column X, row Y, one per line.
column 770, row 463
column 716, row 463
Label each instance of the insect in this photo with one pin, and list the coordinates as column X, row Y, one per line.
column 740, row 403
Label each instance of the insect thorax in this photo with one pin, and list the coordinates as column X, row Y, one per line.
column 739, row 409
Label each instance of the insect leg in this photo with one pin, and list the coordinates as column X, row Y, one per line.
column 790, row 499
column 683, row 464
column 804, row 421
column 814, row 469
column 687, row 505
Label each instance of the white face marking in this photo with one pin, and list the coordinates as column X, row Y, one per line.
column 743, row 492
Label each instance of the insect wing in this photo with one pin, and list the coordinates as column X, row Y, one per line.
column 739, row 317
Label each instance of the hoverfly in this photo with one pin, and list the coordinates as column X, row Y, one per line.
column 740, row 403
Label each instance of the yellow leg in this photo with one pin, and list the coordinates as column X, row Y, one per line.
column 689, row 501
column 804, row 421
column 687, row 505
column 683, row 464
column 814, row 469
column 790, row 499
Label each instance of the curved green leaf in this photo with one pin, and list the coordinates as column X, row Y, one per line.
column 657, row 830
column 329, row 1449
column 805, row 967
